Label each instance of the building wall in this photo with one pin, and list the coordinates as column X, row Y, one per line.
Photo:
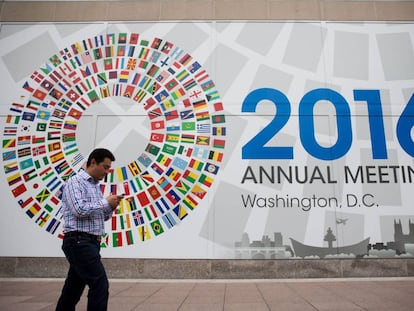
column 162, row 10
column 225, row 10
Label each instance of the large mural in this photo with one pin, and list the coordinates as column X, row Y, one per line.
column 232, row 140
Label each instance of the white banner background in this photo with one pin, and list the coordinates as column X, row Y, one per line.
column 241, row 57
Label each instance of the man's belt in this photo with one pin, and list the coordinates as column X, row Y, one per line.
column 82, row 234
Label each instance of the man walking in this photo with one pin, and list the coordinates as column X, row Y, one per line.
column 84, row 212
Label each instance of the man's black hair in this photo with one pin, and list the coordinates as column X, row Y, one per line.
column 99, row 155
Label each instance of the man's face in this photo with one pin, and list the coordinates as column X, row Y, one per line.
column 99, row 170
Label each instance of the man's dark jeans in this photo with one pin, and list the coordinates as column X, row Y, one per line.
column 85, row 268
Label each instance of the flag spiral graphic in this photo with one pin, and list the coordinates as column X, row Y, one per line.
column 166, row 181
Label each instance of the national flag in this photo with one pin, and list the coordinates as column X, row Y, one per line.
column 134, row 168
column 162, row 77
column 54, row 183
column 24, row 203
column 203, row 140
column 173, row 138
column 150, row 212
column 167, row 148
column 206, row 180
column 13, row 179
column 137, row 217
column 108, row 64
column 198, row 191
column 72, row 95
column 42, row 195
column 19, row 190
column 144, row 233
column 155, row 56
column 212, row 96
column 171, row 115
column 55, row 124
column 144, row 159
column 187, row 138
column 93, row 96
column 203, row 115
column 149, row 103
column 129, row 237
column 153, row 70
column 143, row 54
column 23, row 140
column 105, row 91
column 189, row 84
column 211, row 168
column 155, row 113
column 156, row 227
column 37, row 76
column 25, row 164
column 120, row 51
column 157, row 137
column 163, row 159
column 215, row 156
column 32, row 211
column 200, row 76
column 219, row 131
column 180, row 211
column 56, row 157
column 169, row 220
column 9, row 143
column 161, row 96
column 218, row 119
column 143, row 198
column 68, row 137
column 53, row 226
column 55, row 60
column 173, row 197
column 23, row 152
column 61, row 167
column 157, row 125
column 203, row 127
column 154, row 193
column 182, row 187
column 173, row 174
column 56, row 93
column 172, row 127
column 121, row 173
column 10, row 131
column 190, row 202
column 74, row 113
column 146, row 177
column 177, row 93
column 186, row 59
column 196, row 164
column 152, row 149
column 10, row 167
column 131, row 51
column 9, row 155
column 157, row 168
column 70, row 125
column 188, row 126
column 140, row 95
column 28, row 116
column 129, row 90
column 218, row 143
column 117, row 239
column 190, row 176
column 164, row 184
column 187, row 114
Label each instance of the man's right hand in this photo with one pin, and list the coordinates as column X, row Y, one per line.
column 114, row 200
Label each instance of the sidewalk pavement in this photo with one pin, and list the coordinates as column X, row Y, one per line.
column 376, row 294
